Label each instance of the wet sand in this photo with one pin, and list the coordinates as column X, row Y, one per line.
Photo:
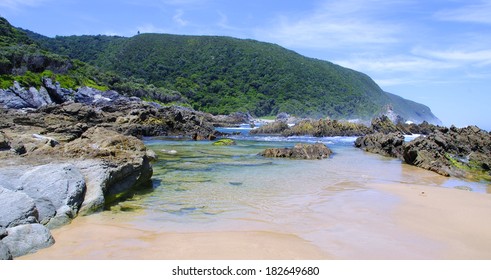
column 438, row 223
column 457, row 219
column 96, row 237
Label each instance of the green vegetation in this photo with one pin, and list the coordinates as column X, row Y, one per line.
column 472, row 168
column 219, row 75
column 222, row 75
column 224, row 142
column 26, row 60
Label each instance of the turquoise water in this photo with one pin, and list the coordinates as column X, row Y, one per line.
column 199, row 187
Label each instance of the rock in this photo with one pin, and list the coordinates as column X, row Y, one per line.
column 277, row 127
column 224, row 142
column 109, row 183
column 300, row 151
column 327, row 127
column 96, row 176
column 19, row 149
column 64, row 216
column 4, row 141
column 5, row 252
column 103, row 99
column 126, row 167
column 56, row 93
column 384, row 124
column 17, row 97
column 8, row 99
column 50, row 186
column 27, row 239
column 464, row 152
column 384, row 144
column 16, row 208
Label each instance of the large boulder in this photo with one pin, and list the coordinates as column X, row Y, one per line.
column 384, row 144
column 123, row 166
column 300, row 151
column 52, row 188
column 16, row 208
column 27, row 239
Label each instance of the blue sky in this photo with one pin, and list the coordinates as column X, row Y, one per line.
column 435, row 52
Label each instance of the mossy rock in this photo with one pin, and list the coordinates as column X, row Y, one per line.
column 225, row 142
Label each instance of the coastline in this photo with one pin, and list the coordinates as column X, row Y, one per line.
column 441, row 224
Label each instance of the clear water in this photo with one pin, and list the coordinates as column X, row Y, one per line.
column 200, row 187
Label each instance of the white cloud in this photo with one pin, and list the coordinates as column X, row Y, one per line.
column 476, row 58
column 394, row 64
column 177, row 18
column 336, row 24
column 477, row 13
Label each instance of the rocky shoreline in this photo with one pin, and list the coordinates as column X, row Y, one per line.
column 65, row 153
column 459, row 152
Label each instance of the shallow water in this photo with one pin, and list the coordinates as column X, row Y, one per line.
column 198, row 187
column 228, row 202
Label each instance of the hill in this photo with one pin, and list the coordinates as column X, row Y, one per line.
column 24, row 59
column 222, row 75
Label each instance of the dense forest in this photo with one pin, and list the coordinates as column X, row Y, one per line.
column 23, row 59
column 214, row 74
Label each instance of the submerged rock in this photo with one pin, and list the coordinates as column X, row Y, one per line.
column 300, row 151
column 225, row 142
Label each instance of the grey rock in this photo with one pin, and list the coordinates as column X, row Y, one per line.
column 9, row 176
column 37, row 98
column 96, row 176
column 26, row 239
column 64, row 216
column 5, row 252
column 86, row 95
column 3, row 233
column 17, row 208
column 43, row 93
column 56, row 93
column 53, row 186
column 8, row 99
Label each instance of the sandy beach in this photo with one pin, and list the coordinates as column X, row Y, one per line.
column 88, row 238
column 440, row 223
column 456, row 219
